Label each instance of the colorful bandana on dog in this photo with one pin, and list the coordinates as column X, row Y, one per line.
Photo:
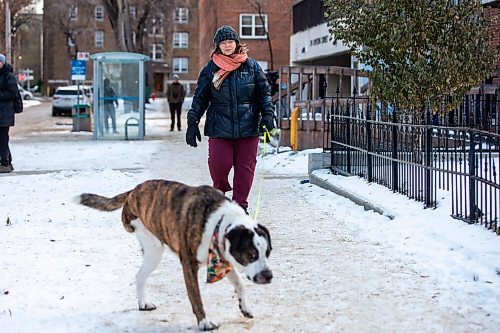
column 217, row 267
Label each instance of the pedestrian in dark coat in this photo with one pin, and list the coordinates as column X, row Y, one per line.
column 110, row 99
column 8, row 93
column 175, row 97
column 234, row 92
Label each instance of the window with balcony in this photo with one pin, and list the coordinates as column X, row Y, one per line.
column 181, row 40
column 180, row 65
column 157, row 52
column 181, row 15
column 253, row 26
column 99, row 38
column 99, row 13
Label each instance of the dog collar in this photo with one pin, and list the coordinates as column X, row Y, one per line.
column 217, row 266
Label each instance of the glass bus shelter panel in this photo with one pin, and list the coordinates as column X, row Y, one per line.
column 118, row 101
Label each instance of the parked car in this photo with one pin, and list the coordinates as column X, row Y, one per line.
column 65, row 97
column 25, row 94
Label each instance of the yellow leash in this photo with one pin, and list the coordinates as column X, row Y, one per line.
column 257, row 208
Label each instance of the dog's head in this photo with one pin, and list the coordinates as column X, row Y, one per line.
column 248, row 247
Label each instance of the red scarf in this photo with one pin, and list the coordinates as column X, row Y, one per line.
column 226, row 65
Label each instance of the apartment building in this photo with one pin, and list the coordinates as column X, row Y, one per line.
column 168, row 33
column 492, row 12
column 251, row 19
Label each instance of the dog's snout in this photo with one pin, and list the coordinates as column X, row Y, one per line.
column 263, row 277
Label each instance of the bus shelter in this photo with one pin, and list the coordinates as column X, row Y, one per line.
column 119, row 95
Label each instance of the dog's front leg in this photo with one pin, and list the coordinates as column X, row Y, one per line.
column 193, row 289
column 235, row 279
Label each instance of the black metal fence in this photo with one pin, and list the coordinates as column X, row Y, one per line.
column 420, row 153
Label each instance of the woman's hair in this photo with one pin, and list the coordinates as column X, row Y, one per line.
column 239, row 49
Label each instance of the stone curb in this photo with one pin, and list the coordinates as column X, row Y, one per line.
column 313, row 179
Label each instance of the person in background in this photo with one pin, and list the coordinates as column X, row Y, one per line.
column 8, row 93
column 234, row 92
column 110, row 99
column 175, row 97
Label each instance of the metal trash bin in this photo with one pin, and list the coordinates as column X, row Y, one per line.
column 82, row 121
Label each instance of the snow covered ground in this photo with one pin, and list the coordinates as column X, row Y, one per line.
column 337, row 268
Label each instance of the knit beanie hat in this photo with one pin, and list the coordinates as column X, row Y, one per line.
column 2, row 59
column 224, row 33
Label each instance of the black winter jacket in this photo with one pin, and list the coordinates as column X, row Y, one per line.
column 234, row 111
column 8, row 92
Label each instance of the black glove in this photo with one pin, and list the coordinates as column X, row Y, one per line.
column 193, row 133
column 268, row 123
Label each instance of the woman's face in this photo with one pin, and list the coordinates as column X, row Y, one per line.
column 227, row 47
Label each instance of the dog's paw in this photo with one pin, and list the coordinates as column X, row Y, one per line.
column 245, row 310
column 147, row 307
column 207, row 325
column 247, row 314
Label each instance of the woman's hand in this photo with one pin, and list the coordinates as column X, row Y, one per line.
column 193, row 133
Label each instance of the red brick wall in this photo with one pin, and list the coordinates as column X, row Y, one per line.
column 493, row 15
column 215, row 13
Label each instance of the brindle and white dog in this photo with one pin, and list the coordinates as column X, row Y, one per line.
column 184, row 218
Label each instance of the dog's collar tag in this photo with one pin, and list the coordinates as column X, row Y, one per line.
column 217, row 267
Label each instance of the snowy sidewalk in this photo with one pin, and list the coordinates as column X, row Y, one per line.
column 338, row 268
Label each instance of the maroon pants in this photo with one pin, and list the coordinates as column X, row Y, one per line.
column 223, row 154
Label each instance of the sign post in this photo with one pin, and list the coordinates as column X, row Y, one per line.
column 78, row 70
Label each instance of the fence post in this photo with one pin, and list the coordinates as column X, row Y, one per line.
column 428, row 156
column 395, row 185
column 333, row 124
column 369, row 146
column 472, row 175
column 348, row 136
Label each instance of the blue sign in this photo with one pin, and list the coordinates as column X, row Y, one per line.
column 78, row 70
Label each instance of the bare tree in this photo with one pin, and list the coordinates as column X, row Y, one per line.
column 17, row 19
column 121, row 23
column 257, row 5
column 72, row 21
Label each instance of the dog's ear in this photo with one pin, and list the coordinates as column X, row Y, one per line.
column 262, row 231
column 241, row 245
column 236, row 235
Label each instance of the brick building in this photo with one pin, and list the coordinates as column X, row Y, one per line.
column 170, row 39
column 243, row 16
column 492, row 12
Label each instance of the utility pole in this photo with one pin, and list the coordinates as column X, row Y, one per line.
column 8, row 46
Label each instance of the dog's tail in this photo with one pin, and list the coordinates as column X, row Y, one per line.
column 102, row 203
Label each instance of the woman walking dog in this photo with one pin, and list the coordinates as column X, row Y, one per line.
column 233, row 90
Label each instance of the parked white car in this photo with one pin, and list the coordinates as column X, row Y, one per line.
column 65, row 97
column 25, row 94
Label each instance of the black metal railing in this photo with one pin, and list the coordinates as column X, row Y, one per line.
column 416, row 153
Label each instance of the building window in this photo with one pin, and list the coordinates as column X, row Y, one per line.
column 99, row 13
column 157, row 25
column 181, row 15
column 253, row 26
column 73, row 13
column 99, row 38
column 180, row 65
column 157, row 52
column 181, row 40
column 132, row 11
column 263, row 65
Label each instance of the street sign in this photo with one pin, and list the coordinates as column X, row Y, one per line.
column 21, row 76
column 78, row 69
column 83, row 56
